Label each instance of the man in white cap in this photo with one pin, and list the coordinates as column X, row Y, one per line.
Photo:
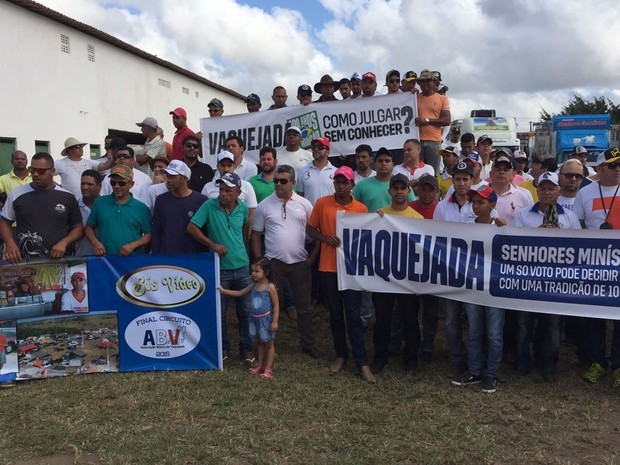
column 172, row 212
column 356, row 85
column 154, row 147
column 71, row 167
column 293, row 155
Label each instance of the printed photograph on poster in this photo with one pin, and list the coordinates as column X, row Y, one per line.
column 67, row 345
column 8, row 348
column 31, row 290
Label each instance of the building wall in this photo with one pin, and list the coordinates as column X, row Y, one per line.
column 49, row 95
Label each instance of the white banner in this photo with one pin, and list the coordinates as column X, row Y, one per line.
column 561, row 271
column 381, row 121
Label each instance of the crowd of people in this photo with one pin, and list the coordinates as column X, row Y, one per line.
column 281, row 217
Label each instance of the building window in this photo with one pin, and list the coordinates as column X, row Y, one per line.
column 95, row 151
column 41, row 146
column 197, row 94
column 64, row 44
column 185, row 90
column 164, row 83
column 91, row 53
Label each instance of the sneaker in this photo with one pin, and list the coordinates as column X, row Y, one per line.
column 465, row 379
column 7, row 384
column 249, row 360
column 594, row 373
column 616, row 377
column 489, row 384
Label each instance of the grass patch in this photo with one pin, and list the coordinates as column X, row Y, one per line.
column 305, row 416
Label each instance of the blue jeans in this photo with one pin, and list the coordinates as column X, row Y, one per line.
column 384, row 311
column 480, row 318
column 236, row 280
column 547, row 347
column 430, row 154
column 367, row 308
column 344, row 317
column 430, row 321
column 454, row 333
column 596, row 339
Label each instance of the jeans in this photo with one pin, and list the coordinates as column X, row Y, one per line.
column 479, row 319
column 596, row 339
column 430, row 321
column 430, row 154
column 300, row 281
column 367, row 308
column 236, row 280
column 408, row 307
column 454, row 334
column 547, row 348
column 344, row 317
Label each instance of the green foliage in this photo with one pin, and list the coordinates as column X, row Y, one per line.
column 580, row 106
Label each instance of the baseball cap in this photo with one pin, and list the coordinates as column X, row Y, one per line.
column 399, row 178
column 148, row 121
column 230, row 179
column 384, row 151
column 78, row 274
column 519, row 154
column 346, row 172
column 253, row 98
column 322, row 140
column 473, row 157
column 485, row 191
column 177, row 167
column 411, row 76
column 503, row 157
column 449, row 149
column 436, row 75
column 462, row 167
column 579, row 150
column 609, row 156
column 356, row 77
column 304, row 89
column 425, row 75
column 549, row 176
column 484, row 138
column 293, row 128
column 225, row 155
column 428, row 180
column 215, row 102
column 123, row 171
column 392, row 72
column 179, row 112
column 370, row 75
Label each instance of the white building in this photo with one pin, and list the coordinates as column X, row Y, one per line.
column 63, row 78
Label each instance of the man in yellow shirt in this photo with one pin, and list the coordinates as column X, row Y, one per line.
column 18, row 176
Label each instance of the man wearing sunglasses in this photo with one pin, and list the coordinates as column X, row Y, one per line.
column 141, row 182
column 304, row 94
column 571, row 175
column 598, row 207
column 392, row 81
column 118, row 223
column 48, row 217
column 201, row 172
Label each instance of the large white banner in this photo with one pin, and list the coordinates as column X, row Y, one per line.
column 380, row 121
column 561, row 271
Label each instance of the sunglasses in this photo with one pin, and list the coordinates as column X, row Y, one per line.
column 318, row 147
column 612, row 166
column 393, row 81
column 118, row 183
column 306, row 94
column 191, row 146
column 572, row 175
column 123, row 156
column 39, row 171
column 280, row 181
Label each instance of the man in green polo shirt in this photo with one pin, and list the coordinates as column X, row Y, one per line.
column 221, row 224
column 263, row 182
column 118, row 223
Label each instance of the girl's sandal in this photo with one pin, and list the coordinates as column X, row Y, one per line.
column 256, row 370
column 266, row 374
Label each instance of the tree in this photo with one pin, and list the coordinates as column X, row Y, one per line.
column 579, row 106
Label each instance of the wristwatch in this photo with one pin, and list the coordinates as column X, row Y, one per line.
column 427, row 121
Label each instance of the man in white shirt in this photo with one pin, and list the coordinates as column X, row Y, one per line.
column 245, row 169
column 316, row 179
column 293, row 155
column 125, row 156
column 154, row 147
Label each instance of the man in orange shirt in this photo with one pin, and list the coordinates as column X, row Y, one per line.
column 433, row 114
column 344, row 306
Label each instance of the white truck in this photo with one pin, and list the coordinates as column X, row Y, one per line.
column 501, row 129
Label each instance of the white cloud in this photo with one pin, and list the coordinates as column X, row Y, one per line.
column 516, row 56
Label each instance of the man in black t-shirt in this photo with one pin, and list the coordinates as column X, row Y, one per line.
column 48, row 217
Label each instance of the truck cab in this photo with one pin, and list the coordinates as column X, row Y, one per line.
column 503, row 130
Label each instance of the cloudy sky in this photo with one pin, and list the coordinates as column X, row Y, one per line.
column 513, row 55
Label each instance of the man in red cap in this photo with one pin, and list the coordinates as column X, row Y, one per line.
column 369, row 84
column 344, row 306
column 179, row 119
column 316, row 179
column 76, row 300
